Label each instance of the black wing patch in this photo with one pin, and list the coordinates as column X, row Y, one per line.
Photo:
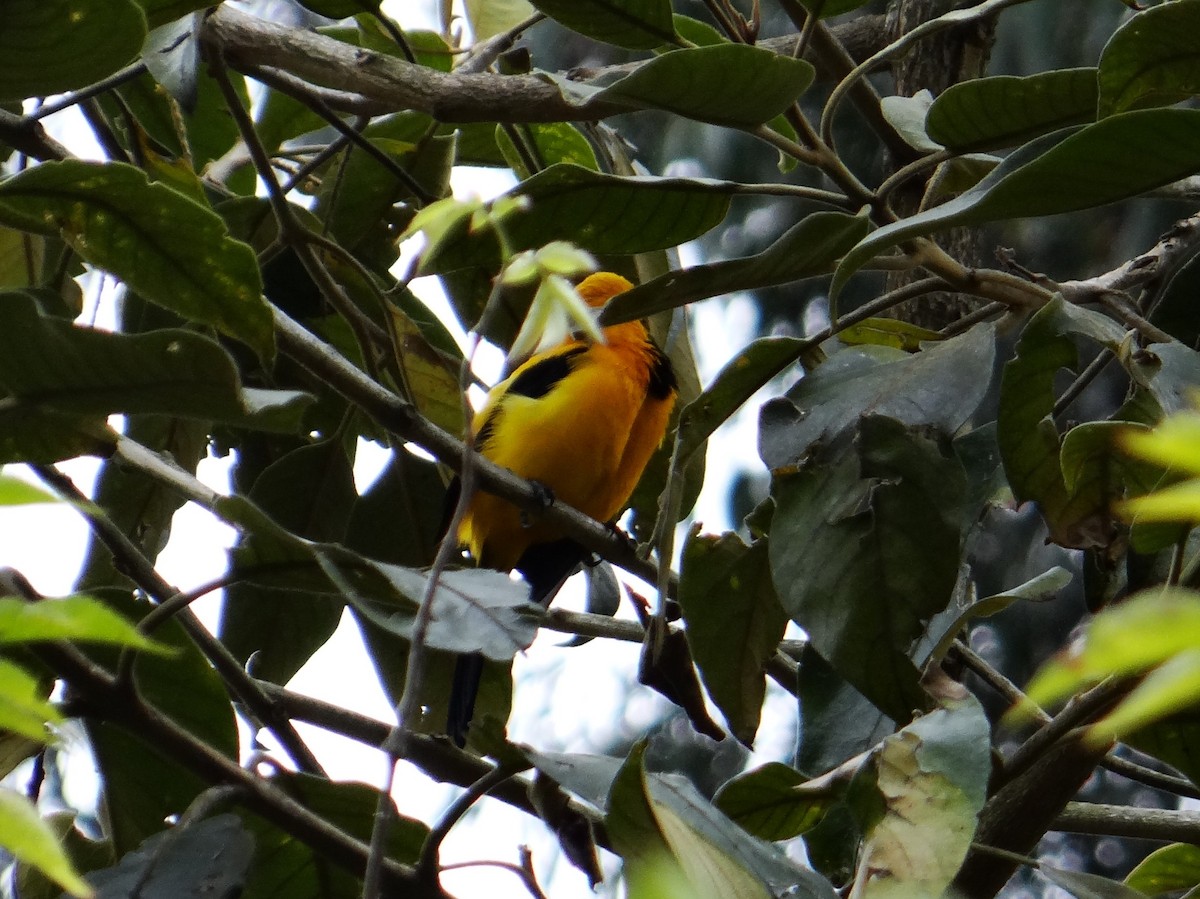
column 662, row 381
column 539, row 379
column 534, row 382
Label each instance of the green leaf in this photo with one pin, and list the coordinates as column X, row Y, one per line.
column 17, row 492
column 491, row 17
column 633, row 24
column 310, row 491
column 31, row 841
column 1175, row 443
column 603, row 781
column 82, row 618
column 921, row 389
column 24, row 709
column 807, row 249
column 604, row 214
column 1028, row 438
column 1173, row 686
column 430, row 379
column 836, row 721
column 550, row 142
column 53, row 46
column 740, row 379
column 1142, row 632
column 283, row 865
column 726, row 84
column 1151, row 60
column 1082, row 885
column 143, row 786
column 932, row 777
column 1003, row 111
column 1174, row 867
column 880, row 528
column 168, row 248
column 71, row 368
column 767, row 804
column 1118, row 157
column 734, row 623
column 207, row 857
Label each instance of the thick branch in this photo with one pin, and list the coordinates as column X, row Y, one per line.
column 384, row 83
column 1167, row 825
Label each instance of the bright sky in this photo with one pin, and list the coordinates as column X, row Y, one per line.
column 567, row 701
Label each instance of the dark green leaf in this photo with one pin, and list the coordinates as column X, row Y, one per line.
column 1174, row 740
column 918, row 389
column 171, row 250
column 1151, row 60
column 75, row 369
column 310, row 491
column 357, row 203
column 400, row 517
column 351, row 807
column 142, row 508
column 209, row 857
column 726, row 84
column 602, row 213
column 548, row 144
column 1116, row 158
column 633, row 24
column 864, row 550
column 734, row 623
column 143, row 787
column 766, row 803
column 29, row 434
column 1003, row 111
column 734, row 384
column 805, row 250
column 1028, row 438
column 836, row 721
column 53, row 46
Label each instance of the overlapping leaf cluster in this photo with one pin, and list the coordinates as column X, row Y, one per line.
column 253, row 188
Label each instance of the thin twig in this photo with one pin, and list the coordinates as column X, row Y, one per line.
column 427, row 865
column 132, row 561
column 130, row 72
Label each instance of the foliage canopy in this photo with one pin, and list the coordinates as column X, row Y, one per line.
column 950, row 442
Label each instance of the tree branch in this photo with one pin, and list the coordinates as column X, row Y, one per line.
column 248, row 43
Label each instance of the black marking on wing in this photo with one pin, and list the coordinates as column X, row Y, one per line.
column 541, row 377
column 534, row 382
column 662, row 381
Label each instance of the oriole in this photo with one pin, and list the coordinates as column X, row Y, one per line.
column 582, row 419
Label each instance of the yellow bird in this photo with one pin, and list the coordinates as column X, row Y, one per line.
column 581, row 419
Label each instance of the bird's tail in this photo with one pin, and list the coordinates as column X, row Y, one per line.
column 545, row 567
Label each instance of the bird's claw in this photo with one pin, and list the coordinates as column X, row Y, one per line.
column 544, row 497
